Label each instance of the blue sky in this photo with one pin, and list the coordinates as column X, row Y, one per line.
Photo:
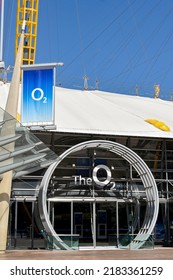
column 120, row 43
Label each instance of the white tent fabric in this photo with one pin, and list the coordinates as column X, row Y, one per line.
column 97, row 112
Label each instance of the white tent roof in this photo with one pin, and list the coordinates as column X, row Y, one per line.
column 98, row 112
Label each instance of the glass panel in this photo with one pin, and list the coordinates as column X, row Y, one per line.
column 20, row 150
column 72, row 241
column 125, row 241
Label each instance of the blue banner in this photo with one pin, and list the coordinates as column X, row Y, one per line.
column 38, row 97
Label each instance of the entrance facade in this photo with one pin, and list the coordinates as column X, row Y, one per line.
column 97, row 222
column 94, row 185
column 128, row 186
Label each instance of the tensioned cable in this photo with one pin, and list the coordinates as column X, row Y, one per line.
column 80, row 34
column 161, row 48
column 100, row 34
column 125, row 43
column 49, row 31
column 114, row 54
column 8, row 30
column 58, row 42
column 159, row 54
column 57, row 27
column 138, row 31
column 93, row 58
column 130, row 37
column 89, row 31
column 164, row 74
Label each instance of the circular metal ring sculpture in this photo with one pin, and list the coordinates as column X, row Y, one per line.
column 136, row 162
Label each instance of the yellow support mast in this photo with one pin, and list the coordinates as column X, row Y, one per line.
column 27, row 10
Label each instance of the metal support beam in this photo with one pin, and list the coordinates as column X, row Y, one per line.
column 94, row 224
column 17, row 152
column 15, row 224
column 22, row 162
column 72, row 217
column 117, row 223
column 7, row 139
column 32, row 229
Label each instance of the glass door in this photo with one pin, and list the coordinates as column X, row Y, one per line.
column 106, row 224
column 83, row 222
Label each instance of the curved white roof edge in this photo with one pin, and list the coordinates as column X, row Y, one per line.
column 105, row 113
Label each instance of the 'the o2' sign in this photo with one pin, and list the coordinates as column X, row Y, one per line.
column 38, row 96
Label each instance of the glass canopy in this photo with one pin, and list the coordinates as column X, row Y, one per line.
column 20, row 150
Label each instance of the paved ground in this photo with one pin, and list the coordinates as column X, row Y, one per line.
column 156, row 254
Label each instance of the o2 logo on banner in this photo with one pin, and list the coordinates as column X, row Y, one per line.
column 41, row 97
column 38, row 96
